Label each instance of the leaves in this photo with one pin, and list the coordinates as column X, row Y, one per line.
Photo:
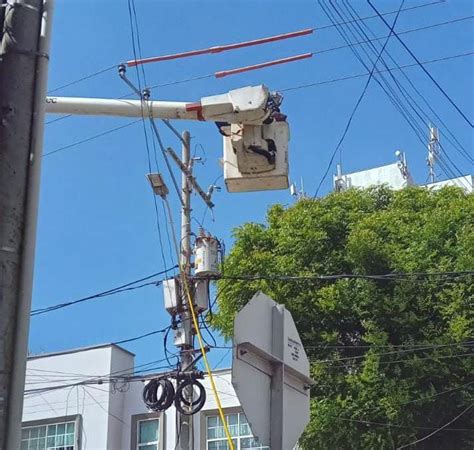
column 381, row 351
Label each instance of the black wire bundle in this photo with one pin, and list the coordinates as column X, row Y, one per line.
column 182, row 404
column 158, row 394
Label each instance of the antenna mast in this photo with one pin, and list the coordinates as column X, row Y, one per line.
column 433, row 152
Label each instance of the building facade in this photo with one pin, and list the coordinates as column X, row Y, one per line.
column 68, row 407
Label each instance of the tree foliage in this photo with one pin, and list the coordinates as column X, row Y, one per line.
column 392, row 360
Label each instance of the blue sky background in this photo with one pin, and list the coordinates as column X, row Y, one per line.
column 97, row 226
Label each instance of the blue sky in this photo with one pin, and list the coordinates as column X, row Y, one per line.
column 97, row 225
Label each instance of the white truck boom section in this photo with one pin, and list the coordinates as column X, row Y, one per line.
column 247, row 105
column 256, row 134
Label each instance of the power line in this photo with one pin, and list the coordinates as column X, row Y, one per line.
column 116, row 290
column 142, row 336
column 287, row 89
column 397, row 361
column 90, row 138
column 396, row 352
column 423, row 67
column 356, row 106
column 360, row 75
column 85, row 77
column 393, row 425
column 464, row 411
column 425, row 119
column 323, row 27
column 400, row 276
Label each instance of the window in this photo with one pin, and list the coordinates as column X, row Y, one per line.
column 55, row 436
column 147, row 433
column 239, row 430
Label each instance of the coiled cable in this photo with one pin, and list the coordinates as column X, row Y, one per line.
column 158, row 394
column 182, row 404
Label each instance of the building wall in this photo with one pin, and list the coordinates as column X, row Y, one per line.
column 391, row 175
column 92, row 403
column 466, row 182
column 106, row 410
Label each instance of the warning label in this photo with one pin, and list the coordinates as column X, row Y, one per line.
column 295, row 349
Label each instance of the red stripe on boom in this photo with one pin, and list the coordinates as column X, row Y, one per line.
column 225, row 73
column 220, row 48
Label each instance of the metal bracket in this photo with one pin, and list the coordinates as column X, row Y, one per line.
column 206, row 198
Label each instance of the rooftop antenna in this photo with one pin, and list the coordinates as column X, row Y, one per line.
column 433, row 152
column 339, row 184
column 302, row 192
column 402, row 163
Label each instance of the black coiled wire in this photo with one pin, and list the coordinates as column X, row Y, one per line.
column 182, row 404
column 159, row 394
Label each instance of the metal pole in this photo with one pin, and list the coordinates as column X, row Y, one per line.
column 185, row 423
column 23, row 75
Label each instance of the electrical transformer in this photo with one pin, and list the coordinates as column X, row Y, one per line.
column 206, row 252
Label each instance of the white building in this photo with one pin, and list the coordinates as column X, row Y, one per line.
column 395, row 176
column 62, row 413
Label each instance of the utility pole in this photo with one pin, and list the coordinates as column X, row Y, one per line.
column 24, row 55
column 185, row 423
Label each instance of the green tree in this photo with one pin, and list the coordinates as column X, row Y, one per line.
column 392, row 360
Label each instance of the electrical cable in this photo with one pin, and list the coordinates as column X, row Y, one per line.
column 390, row 92
column 456, row 144
column 116, row 290
column 136, row 338
column 417, row 109
column 184, row 282
column 360, row 75
column 161, row 401
column 284, row 89
column 423, row 67
column 400, row 276
column 323, row 27
column 356, row 106
column 411, row 444
column 190, row 407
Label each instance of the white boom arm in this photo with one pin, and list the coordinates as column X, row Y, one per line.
column 247, row 105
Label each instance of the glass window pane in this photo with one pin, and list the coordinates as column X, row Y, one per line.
column 148, row 447
column 51, row 430
column 24, row 445
column 60, row 440
column 69, row 440
column 212, row 421
column 61, row 428
column 34, row 432
column 42, row 432
column 50, row 442
column 233, row 419
column 70, row 427
column 148, row 431
column 25, row 433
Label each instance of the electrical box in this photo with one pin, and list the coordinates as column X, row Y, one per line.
column 206, row 251
column 256, row 157
column 201, row 295
column 171, row 295
column 179, row 338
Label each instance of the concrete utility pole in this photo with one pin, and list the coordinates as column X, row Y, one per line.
column 24, row 58
column 185, row 423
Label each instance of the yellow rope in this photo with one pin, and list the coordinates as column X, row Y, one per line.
column 184, row 281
